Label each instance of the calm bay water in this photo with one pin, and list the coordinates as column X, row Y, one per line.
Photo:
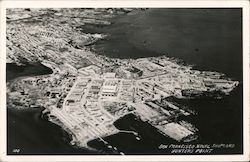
column 208, row 38
column 14, row 71
column 31, row 134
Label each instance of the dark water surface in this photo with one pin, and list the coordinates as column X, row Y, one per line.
column 14, row 71
column 208, row 38
column 31, row 134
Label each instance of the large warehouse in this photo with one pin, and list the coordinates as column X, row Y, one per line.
column 110, row 88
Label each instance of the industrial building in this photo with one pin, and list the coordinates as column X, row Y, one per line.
column 110, row 88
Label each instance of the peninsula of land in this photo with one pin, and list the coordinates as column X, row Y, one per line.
column 87, row 92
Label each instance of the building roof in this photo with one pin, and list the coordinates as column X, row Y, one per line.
column 109, row 75
column 110, row 86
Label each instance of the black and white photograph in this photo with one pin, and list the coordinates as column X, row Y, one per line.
column 124, row 81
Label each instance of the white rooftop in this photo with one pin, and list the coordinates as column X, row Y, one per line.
column 109, row 75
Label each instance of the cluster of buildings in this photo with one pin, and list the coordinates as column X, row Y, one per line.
column 127, row 91
column 143, row 95
column 102, row 100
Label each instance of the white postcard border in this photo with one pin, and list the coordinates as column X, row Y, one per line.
column 127, row 3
